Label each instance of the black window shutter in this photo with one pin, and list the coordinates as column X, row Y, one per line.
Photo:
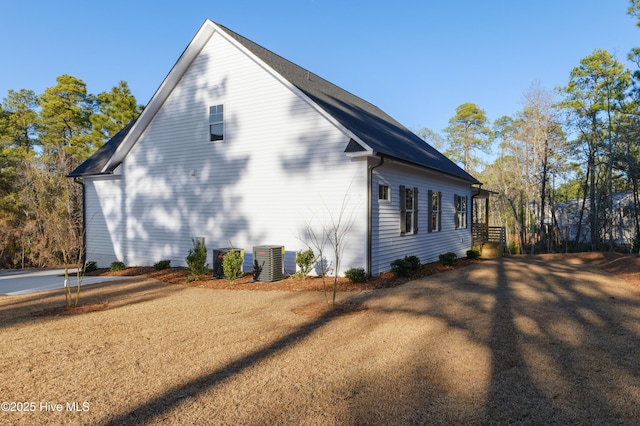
column 439, row 211
column 403, row 209
column 455, row 210
column 429, row 210
column 466, row 211
column 415, row 210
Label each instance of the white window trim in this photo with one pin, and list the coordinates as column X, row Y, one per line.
column 461, row 219
column 384, row 200
column 212, row 123
column 438, row 212
column 404, row 210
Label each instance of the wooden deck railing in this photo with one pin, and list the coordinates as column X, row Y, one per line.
column 481, row 233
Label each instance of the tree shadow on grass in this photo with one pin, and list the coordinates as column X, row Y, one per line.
column 155, row 408
column 486, row 312
column 555, row 355
column 558, row 344
column 50, row 305
column 513, row 395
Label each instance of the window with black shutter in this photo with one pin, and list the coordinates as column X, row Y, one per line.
column 408, row 210
column 435, row 210
column 460, row 211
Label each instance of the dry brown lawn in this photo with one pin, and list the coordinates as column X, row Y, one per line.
column 527, row 340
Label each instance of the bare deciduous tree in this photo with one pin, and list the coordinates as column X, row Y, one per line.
column 333, row 231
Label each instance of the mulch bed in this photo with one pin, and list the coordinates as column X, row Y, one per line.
column 311, row 283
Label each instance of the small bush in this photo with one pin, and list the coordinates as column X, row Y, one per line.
column 197, row 261
column 232, row 264
column 90, row 266
column 414, row 261
column 448, row 259
column 356, row 275
column 473, row 254
column 404, row 266
column 117, row 266
column 401, row 267
column 304, row 260
column 163, row 264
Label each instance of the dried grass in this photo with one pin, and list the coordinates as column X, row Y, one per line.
column 533, row 340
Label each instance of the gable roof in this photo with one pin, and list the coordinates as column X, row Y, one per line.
column 96, row 164
column 376, row 133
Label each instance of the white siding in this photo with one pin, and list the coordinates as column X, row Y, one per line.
column 281, row 165
column 389, row 244
column 103, row 220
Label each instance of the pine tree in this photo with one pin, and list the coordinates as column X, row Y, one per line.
column 466, row 133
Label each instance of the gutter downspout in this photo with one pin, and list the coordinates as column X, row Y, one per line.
column 370, row 215
column 80, row 182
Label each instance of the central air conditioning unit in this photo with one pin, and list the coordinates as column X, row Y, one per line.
column 218, row 258
column 267, row 263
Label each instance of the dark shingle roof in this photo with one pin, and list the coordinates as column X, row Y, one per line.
column 379, row 131
column 373, row 126
column 95, row 164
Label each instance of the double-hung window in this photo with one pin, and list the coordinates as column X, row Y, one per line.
column 435, row 210
column 460, row 202
column 408, row 210
column 216, row 123
column 383, row 192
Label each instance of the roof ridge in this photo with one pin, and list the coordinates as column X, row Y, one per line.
column 247, row 42
column 382, row 134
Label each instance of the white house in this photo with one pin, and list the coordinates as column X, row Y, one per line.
column 238, row 144
column 620, row 229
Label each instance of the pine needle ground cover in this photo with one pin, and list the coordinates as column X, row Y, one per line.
column 536, row 340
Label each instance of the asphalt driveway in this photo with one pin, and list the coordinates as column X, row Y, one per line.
column 23, row 281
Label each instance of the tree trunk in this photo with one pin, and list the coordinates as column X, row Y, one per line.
column 543, row 190
column 517, row 223
column 584, row 201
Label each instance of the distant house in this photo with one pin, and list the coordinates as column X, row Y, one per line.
column 621, row 228
column 238, row 144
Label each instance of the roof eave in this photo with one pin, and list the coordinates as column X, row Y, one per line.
column 471, row 180
column 172, row 79
column 361, row 154
column 93, row 174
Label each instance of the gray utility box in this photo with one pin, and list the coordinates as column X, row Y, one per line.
column 267, row 263
column 218, row 258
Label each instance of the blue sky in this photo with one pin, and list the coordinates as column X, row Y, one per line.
column 417, row 60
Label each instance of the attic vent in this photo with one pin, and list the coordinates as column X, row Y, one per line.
column 354, row 146
column 267, row 263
